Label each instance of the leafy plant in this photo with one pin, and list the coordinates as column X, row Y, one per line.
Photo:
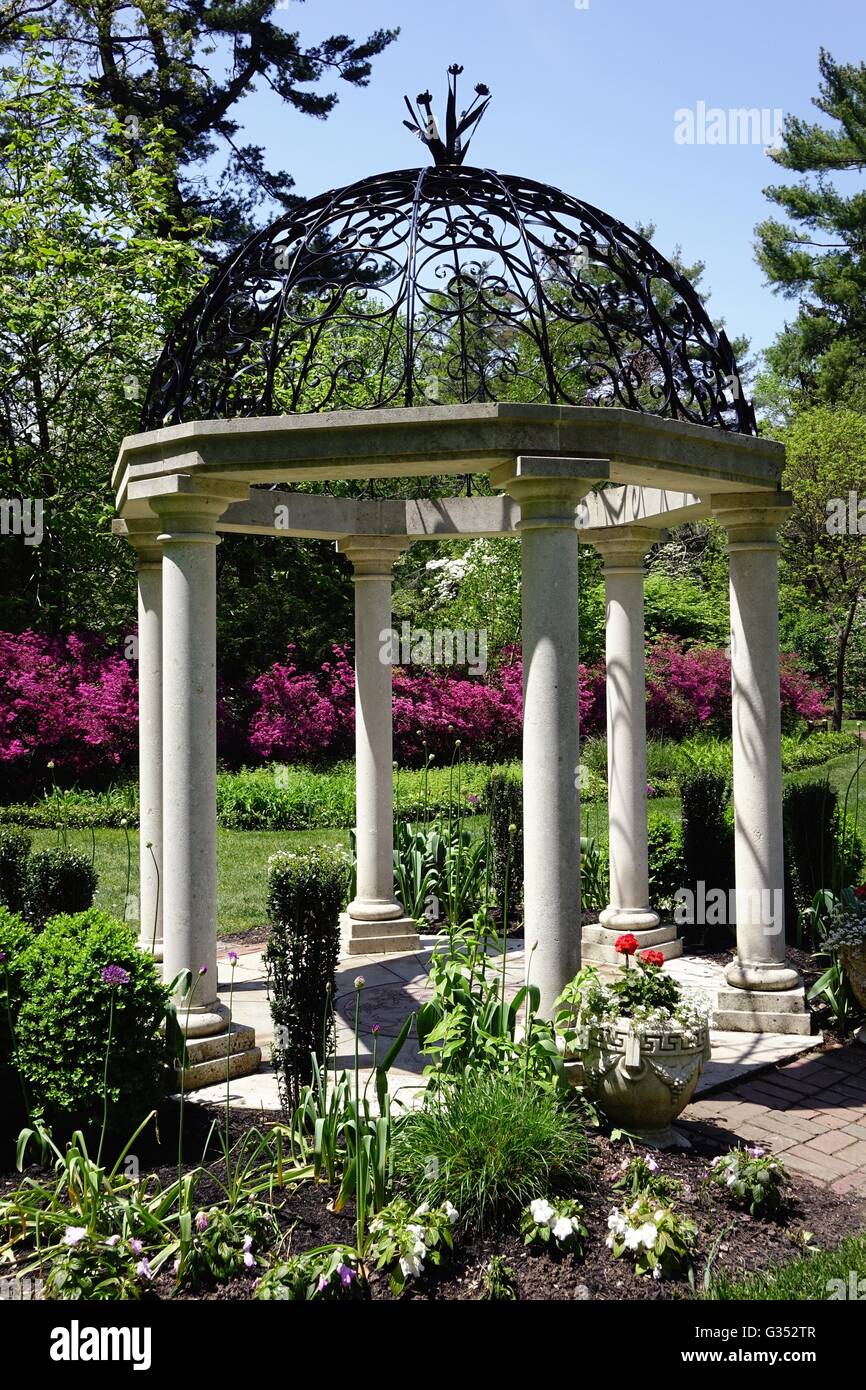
column 219, row 1243
column 644, row 1175
column 752, row 1177
column 490, row 1142
column 665, row 860
column 498, row 1281
column 504, row 798
column 329, row 1272
column 305, row 895
column 593, row 874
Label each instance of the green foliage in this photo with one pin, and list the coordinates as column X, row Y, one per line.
column 820, row 352
column 490, row 1143
column 593, row 874
column 15, row 937
column 58, row 880
column 14, row 853
column 707, row 833
column 504, row 799
column 665, row 857
column 94, row 1269
column 498, row 1281
column 751, row 1177
column 306, row 893
column 62, row 1024
column 470, row 1021
column 219, row 1243
column 681, row 607
column 644, row 1175
column 327, row 1273
column 809, row 820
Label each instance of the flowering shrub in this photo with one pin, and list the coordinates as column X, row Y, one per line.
column 560, row 1222
column 847, row 922
column 754, row 1177
column 654, row 1236
column 67, row 704
column 96, row 1268
column 220, row 1244
column 316, row 1274
column 404, row 1241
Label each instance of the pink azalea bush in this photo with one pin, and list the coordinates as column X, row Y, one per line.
column 72, row 702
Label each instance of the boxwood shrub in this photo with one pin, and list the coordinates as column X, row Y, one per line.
column 14, row 853
column 62, row 1023
column 58, row 880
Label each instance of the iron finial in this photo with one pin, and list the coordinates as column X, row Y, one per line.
column 451, row 150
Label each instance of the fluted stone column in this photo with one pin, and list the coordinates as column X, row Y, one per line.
column 375, row 921
column 765, row 994
column 143, row 537
column 623, row 549
column 548, row 491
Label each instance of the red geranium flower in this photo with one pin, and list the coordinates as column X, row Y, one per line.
column 861, row 891
column 652, row 958
column 626, row 945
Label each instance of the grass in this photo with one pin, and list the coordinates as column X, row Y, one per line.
column 829, row 1274
column 242, row 867
column 497, row 1145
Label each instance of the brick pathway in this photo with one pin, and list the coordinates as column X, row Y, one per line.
column 812, row 1111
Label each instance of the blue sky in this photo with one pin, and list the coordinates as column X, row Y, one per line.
column 584, row 99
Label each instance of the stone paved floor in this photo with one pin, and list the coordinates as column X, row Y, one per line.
column 812, row 1111
column 394, row 986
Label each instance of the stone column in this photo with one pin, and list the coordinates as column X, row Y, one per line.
column 765, row 994
column 143, row 536
column 548, row 491
column 375, row 922
column 623, row 549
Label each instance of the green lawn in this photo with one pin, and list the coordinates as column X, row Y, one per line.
column 837, row 1274
column 242, row 866
column 243, row 854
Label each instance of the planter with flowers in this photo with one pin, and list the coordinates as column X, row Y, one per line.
column 642, row 1043
column 846, row 936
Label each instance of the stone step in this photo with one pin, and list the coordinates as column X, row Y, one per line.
column 746, row 1021
column 391, row 926
column 606, row 936
column 397, row 945
column 209, row 1057
column 597, row 954
column 785, row 1001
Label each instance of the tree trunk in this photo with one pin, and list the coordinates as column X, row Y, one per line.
column 841, row 653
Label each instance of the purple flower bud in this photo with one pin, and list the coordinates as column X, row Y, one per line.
column 233, row 957
column 201, row 1222
column 115, row 975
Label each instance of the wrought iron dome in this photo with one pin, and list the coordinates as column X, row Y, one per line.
column 446, row 284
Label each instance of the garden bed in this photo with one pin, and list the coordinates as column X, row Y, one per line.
column 735, row 1243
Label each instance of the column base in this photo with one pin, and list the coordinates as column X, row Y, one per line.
column 151, row 948
column 385, row 937
column 747, row 976
column 597, row 943
column 374, row 909
column 210, row 1062
column 209, row 1021
column 625, row 919
column 763, row 1011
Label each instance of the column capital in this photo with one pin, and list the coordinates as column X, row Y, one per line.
column 372, row 557
column 189, row 508
column 621, row 547
column 751, row 519
column 142, row 533
column 549, row 490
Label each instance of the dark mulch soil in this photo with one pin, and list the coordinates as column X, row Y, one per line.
column 737, row 1242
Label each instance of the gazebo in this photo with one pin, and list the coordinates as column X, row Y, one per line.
column 450, row 322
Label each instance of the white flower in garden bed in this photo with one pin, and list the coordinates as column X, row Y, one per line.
column 653, row 1234
column 561, row 1222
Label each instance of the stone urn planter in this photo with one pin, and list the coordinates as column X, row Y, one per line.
column 643, row 1081
column 853, row 960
